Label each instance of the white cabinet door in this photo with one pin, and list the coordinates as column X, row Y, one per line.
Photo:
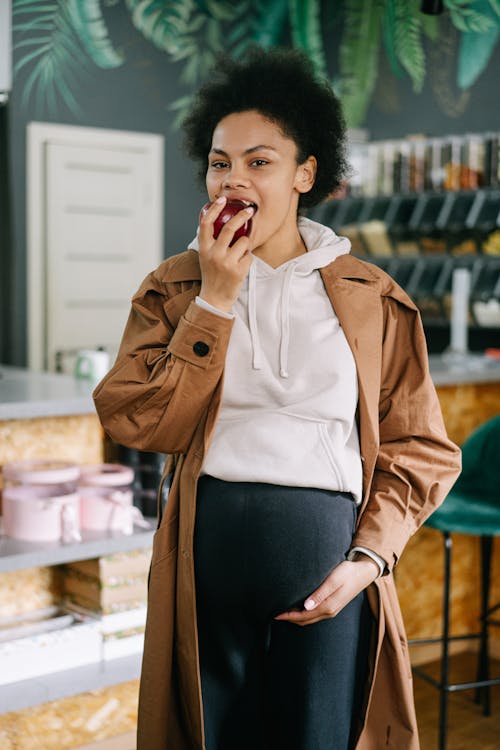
column 101, row 236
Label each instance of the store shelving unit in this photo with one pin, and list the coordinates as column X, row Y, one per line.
column 18, row 555
column 419, row 239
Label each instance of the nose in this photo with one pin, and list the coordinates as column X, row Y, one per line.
column 235, row 178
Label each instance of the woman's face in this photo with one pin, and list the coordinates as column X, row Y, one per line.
column 252, row 160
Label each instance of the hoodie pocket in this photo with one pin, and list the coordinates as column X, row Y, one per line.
column 334, row 464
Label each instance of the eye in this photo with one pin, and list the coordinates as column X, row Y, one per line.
column 218, row 164
column 259, row 163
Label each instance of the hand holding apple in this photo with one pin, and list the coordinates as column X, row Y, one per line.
column 231, row 208
column 224, row 250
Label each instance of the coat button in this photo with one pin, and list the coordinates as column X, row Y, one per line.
column 201, row 349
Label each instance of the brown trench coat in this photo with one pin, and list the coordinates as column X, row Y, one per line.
column 163, row 396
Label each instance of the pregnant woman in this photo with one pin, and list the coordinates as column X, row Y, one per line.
column 289, row 382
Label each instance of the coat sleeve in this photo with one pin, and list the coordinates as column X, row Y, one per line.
column 416, row 464
column 165, row 373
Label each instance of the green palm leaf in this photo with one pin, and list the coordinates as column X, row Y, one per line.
column 89, row 23
column 55, row 60
column 306, row 31
column 166, row 25
column 220, row 10
column 476, row 48
column 466, row 17
column 359, row 49
column 408, row 41
column 268, row 21
column 389, row 26
column 260, row 22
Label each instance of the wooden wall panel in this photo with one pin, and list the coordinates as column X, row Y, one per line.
column 76, row 438
column 67, row 723
column 465, row 407
column 419, row 575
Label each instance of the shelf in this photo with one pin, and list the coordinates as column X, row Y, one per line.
column 17, row 696
column 18, row 555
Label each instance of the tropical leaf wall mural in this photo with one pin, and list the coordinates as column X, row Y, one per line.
column 59, row 42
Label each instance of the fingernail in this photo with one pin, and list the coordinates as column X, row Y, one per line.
column 249, row 210
column 309, row 604
column 222, row 199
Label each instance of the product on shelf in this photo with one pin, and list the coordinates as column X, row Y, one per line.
column 108, row 584
column 416, row 163
column 424, row 223
column 431, row 276
column 416, row 176
column 122, row 633
column 452, row 223
column 491, row 160
column 434, row 168
column 40, row 501
column 485, row 295
column 472, row 175
column 116, row 567
column 484, row 221
column 106, row 495
column 373, row 228
column 403, row 239
column 345, row 223
column 453, row 166
column 53, row 651
column 491, row 245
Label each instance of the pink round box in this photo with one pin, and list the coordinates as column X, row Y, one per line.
column 40, row 513
column 106, row 498
column 40, row 501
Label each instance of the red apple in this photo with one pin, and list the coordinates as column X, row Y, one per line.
column 230, row 209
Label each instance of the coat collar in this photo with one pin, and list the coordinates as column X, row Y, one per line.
column 186, row 267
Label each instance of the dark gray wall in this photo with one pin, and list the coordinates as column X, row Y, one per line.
column 136, row 97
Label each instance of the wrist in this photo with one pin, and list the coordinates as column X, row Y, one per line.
column 370, row 564
column 222, row 305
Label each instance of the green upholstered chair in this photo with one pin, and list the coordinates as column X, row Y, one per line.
column 471, row 507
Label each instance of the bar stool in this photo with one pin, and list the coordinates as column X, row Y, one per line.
column 471, row 507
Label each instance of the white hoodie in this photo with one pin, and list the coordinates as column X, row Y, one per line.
column 290, row 389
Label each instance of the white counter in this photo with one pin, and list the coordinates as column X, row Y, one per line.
column 25, row 394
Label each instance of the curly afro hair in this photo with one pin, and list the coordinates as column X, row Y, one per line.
column 282, row 86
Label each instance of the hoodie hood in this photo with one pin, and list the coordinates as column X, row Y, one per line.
column 323, row 247
column 316, row 236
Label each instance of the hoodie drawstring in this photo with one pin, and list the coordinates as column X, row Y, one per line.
column 284, row 316
column 285, row 319
column 252, row 318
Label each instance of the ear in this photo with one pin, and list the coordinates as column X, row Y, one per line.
column 306, row 174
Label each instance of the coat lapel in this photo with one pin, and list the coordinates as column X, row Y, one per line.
column 358, row 305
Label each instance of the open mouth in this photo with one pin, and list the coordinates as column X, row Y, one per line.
column 249, row 203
